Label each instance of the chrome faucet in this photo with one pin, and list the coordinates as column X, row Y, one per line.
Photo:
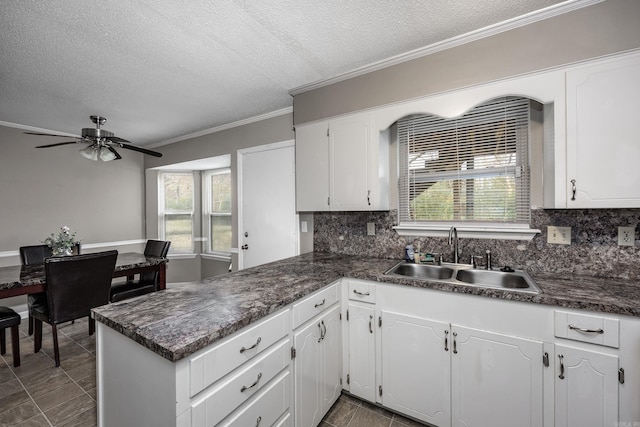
column 453, row 240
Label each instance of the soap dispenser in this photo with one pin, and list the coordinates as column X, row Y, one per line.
column 409, row 255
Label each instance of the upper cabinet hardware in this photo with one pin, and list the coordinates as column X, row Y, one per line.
column 545, row 359
column 455, row 346
column 573, row 189
column 588, row 331
column 371, row 323
column 621, row 375
column 561, row 357
column 243, row 349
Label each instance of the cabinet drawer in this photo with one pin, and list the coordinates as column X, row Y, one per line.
column 591, row 329
column 212, row 365
column 234, row 391
column 362, row 291
column 314, row 304
column 267, row 408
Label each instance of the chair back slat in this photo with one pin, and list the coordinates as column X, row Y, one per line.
column 76, row 284
column 157, row 248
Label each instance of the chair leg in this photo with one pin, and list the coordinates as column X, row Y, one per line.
column 30, row 325
column 92, row 325
column 37, row 335
column 3, row 342
column 15, row 345
column 56, row 351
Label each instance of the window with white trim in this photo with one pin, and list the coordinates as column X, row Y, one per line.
column 217, row 211
column 176, row 207
column 472, row 169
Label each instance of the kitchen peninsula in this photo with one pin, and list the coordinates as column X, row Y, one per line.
column 165, row 359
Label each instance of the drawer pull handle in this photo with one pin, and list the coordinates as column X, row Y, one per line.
column 243, row 349
column 588, row 331
column 573, row 189
column 364, row 294
column 371, row 323
column 446, row 340
column 321, row 335
column 324, row 333
column 319, row 304
column 244, row 387
column 561, row 357
column 258, row 421
column 455, row 345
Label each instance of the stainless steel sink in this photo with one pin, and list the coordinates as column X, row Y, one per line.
column 516, row 280
column 422, row 271
column 463, row 274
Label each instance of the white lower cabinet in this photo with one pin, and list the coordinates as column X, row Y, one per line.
column 317, row 367
column 586, row 388
column 361, row 363
column 496, row 379
column 416, row 367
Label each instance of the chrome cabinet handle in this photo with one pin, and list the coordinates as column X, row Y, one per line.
column 258, row 421
column 455, row 345
column 561, row 357
column 364, row 294
column 324, row 333
column 369, row 197
column 243, row 349
column 320, row 328
column 319, row 304
column 573, row 189
column 446, row 340
column 371, row 323
column 588, row 331
column 244, row 387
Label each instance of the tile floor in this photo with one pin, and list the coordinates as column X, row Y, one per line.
column 39, row 394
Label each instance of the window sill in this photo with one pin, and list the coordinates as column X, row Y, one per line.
column 182, row 256
column 511, row 232
column 216, row 257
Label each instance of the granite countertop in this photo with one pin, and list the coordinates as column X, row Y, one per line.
column 179, row 321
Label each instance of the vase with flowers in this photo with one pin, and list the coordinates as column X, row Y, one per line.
column 61, row 244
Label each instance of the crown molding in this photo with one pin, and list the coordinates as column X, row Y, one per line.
column 276, row 113
column 520, row 21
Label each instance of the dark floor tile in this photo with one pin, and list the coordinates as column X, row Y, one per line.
column 83, row 370
column 400, row 421
column 341, row 413
column 351, row 399
column 6, row 374
column 88, row 418
column 37, row 421
column 17, row 398
column 47, row 373
column 30, row 367
column 377, row 409
column 366, row 418
column 9, row 387
column 68, row 410
column 18, row 414
column 59, row 395
column 51, row 383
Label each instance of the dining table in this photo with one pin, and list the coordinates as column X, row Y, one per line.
column 18, row 280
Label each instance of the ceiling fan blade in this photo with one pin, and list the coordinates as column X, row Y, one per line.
column 116, row 139
column 47, row 134
column 56, row 144
column 113, row 150
column 141, row 150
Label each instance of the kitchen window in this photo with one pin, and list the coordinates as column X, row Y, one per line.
column 470, row 171
column 217, row 212
column 176, row 202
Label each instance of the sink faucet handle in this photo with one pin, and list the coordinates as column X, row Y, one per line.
column 474, row 260
column 489, row 259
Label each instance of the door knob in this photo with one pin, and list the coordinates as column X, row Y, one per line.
column 244, row 247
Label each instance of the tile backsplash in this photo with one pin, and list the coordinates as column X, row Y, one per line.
column 594, row 249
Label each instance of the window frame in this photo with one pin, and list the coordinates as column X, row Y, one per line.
column 162, row 213
column 466, row 228
column 207, row 213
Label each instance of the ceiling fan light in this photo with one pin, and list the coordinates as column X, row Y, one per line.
column 90, row 153
column 106, row 155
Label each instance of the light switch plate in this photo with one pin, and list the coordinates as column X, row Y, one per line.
column 626, row 236
column 558, row 235
column 303, row 226
column 371, row 229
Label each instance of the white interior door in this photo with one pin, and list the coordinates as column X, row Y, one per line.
column 268, row 222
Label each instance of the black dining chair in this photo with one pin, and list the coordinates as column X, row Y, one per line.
column 75, row 285
column 33, row 255
column 10, row 319
column 148, row 282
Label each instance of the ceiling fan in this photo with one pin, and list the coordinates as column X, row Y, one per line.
column 102, row 142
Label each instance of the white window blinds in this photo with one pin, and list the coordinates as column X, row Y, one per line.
column 470, row 168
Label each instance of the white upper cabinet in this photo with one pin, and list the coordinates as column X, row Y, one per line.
column 603, row 135
column 341, row 165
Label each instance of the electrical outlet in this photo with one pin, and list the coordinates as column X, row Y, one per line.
column 626, row 236
column 558, row 235
column 371, row 229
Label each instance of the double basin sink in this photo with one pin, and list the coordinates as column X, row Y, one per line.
column 462, row 274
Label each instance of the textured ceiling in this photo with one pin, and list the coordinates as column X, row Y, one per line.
column 162, row 69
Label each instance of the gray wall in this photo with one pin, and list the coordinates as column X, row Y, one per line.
column 275, row 129
column 601, row 29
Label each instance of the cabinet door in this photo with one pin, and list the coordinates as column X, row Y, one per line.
column 349, row 140
column 603, row 135
column 331, row 349
column 416, row 367
column 362, row 365
column 496, row 379
column 312, row 167
column 307, row 368
column 587, row 393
